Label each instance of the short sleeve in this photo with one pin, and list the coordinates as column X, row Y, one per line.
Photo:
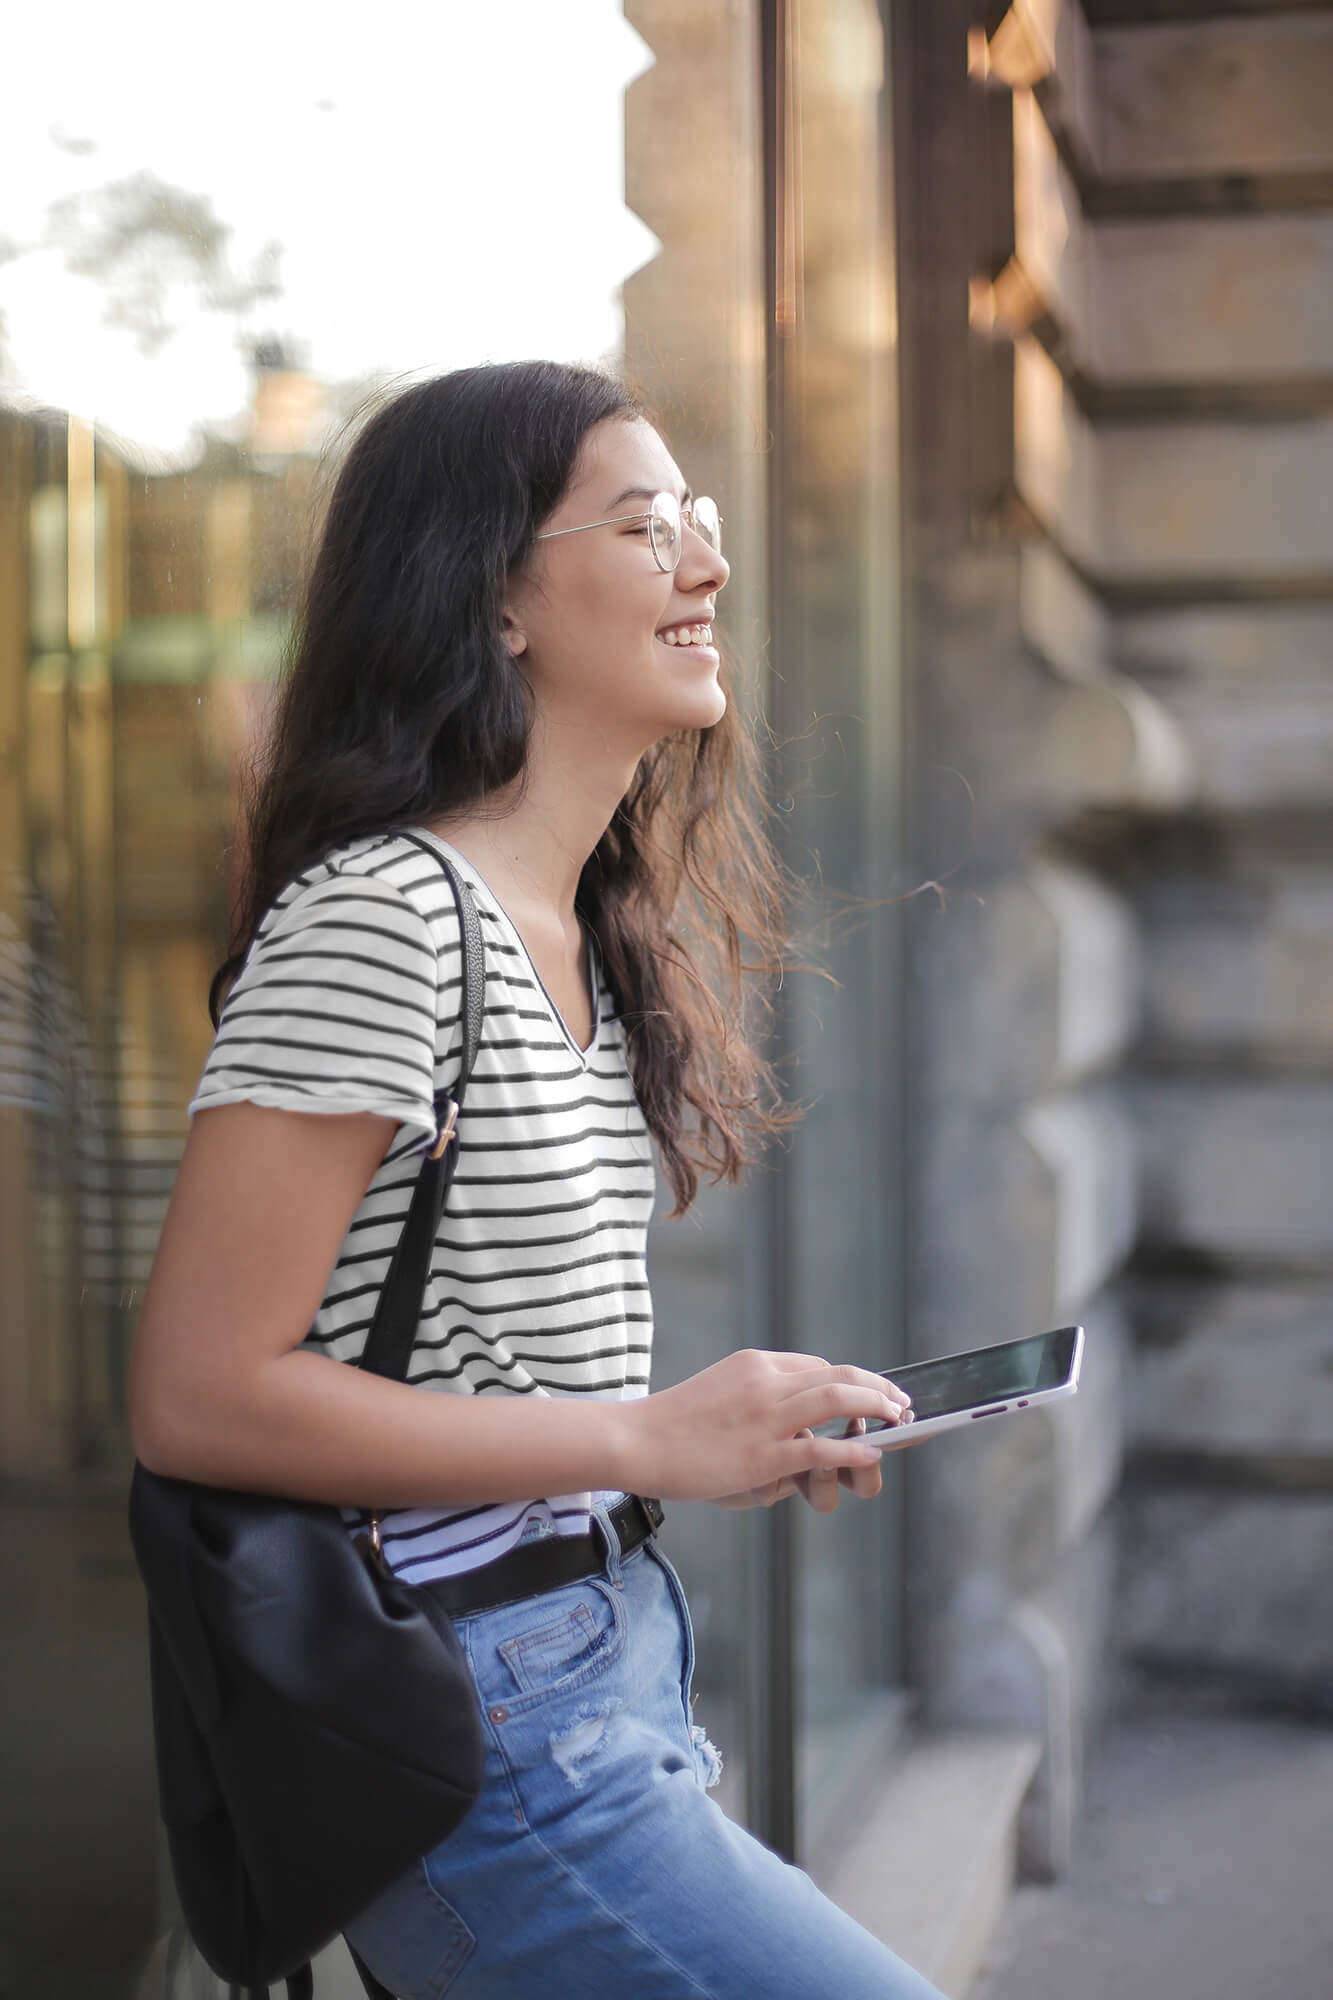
column 334, row 1010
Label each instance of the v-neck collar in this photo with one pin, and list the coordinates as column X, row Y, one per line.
column 592, row 953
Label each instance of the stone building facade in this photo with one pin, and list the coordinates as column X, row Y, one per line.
column 1117, row 289
column 1114, row 261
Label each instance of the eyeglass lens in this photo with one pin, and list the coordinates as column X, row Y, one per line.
column 665, row 526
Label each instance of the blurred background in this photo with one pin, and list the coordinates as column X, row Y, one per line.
column 1002, row 336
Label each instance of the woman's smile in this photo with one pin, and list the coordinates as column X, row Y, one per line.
column 695, row 638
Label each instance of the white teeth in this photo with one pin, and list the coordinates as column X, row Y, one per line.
column 687, row 635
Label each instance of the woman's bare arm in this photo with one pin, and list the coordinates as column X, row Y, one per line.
column 220, row 1393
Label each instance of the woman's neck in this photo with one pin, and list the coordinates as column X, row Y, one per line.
column 534, row 854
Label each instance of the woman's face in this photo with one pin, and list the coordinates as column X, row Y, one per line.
column 590, row 610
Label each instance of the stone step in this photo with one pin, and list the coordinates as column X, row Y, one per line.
column 1213, row 299
column 1236, row 1170
column 1145, row 502
column 1172, row 100
column 1238, row 947
column 1214, row 498
column 1206, row 301
column 1235, row 1381
column 1055, row 952
column 1043, row 1203
column 1229, row 647
column 1259, row 747
column 1138, row 754
column 1226, row 711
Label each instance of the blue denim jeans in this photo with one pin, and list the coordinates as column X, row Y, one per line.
column 594, row 1862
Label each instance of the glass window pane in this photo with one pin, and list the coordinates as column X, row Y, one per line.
column 209, row 280
column 694, row 345
column 837, row 643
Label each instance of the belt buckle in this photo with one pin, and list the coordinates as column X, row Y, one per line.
column 652, row 1511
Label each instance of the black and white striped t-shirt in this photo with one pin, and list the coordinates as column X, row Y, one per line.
column 349, row 1000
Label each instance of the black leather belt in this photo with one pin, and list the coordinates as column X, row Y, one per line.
column 543, row 1564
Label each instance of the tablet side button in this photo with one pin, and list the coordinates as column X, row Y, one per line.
column 997, row 1411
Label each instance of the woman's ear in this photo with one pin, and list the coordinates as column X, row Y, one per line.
column 516, row 641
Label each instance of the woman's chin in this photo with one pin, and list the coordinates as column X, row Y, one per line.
column 703, row 709
column 698, row 702
column 703, row 700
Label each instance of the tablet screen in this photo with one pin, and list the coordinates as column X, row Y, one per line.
column 986, row 1375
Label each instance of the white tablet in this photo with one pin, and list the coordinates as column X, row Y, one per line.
column 985, row 1382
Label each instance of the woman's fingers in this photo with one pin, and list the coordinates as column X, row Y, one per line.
column 816, row 1369
column 820, row 1485
column 865, row 1481
column 805, row 1453
column 821, row 1490
column 818, row 1405
column 845, row 1374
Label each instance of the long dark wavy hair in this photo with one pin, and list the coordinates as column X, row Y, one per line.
column 398, row 702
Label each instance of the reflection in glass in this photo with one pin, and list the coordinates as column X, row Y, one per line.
column 694, row 345
column 836, row 614
column 211, row 312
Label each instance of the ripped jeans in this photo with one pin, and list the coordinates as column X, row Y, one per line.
column 594, row 1861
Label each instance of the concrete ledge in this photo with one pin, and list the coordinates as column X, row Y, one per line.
column 933, row 1867
column 931, row 1871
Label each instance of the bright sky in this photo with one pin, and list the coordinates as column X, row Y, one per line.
column 446, row 178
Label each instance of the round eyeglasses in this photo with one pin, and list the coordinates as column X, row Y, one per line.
column 667, row 520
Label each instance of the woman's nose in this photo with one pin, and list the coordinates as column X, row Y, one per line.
column 700, row 563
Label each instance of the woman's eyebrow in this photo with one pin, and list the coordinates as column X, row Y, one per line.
column 645, row 493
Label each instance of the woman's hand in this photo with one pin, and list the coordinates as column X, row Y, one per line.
column 742, row 1431
column 822, row 1487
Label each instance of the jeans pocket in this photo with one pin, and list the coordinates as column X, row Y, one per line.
column 549, row 1644
column 412, row 1938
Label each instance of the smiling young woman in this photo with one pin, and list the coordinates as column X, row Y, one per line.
column 486, row 662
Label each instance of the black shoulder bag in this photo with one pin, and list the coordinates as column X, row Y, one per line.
column 315, row 1724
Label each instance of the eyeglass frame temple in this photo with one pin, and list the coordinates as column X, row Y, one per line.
column 614, row 520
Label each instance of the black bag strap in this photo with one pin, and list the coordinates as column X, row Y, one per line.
column 393, row 1330
column 388, row 1346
